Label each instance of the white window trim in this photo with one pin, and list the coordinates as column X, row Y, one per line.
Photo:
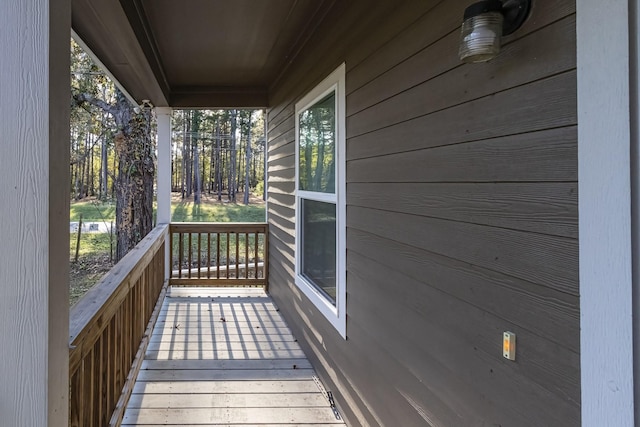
column 336, row 315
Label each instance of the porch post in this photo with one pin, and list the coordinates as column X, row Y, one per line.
column 164, row 164
column 606, row 139
column 34, row 213
column 163, row 115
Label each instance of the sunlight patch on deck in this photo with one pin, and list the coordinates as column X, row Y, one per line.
column 225, row 356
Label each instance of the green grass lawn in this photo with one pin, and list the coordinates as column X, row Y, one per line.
column 91, row 244
column 98, row 243
column 94, row 254
column 93, row 211
column 181, row 211
column 187, row 211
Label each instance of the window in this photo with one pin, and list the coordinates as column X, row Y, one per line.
column 320, row 192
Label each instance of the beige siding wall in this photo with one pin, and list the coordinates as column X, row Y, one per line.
column 462, row 217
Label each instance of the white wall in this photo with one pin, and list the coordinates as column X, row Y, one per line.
column 34, row 165
column 604, row 164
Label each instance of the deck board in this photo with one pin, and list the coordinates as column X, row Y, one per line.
column 221, row 357
column 249, row 416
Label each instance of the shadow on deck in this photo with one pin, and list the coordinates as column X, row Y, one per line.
column 225, row 356
column 217, row 352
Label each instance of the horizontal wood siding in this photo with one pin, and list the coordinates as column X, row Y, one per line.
column 462, row 218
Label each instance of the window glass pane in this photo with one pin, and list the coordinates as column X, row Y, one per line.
column 319, row 246
column 317, row 139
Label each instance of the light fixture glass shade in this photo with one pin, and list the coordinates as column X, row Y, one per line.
column 480, row 37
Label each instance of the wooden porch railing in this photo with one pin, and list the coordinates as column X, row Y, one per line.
column 109, row 330
column 219, row 254
column 110, row 326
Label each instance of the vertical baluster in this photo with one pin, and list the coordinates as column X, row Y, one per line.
column 129, row 329
column 265, row 252
column 103, row 409
column 180, row 242
column 76, row 415
column 199, row 253
column 208, row 255
column 95, row 380
column 228, row 263
column 255, row 253
column 159, row 268
column 130, row 318
column 119, row 355
column 132, row 327
column 190, row 258
column 106, row 351
column 97, row 411
column 140, row 307
column 113, row 369
column 237, row 255
column 171, row 254
column 138, row 310
column 126, row 332
column 218, row 235
column 85, row 394
column 246, row 255
column 141, row 300
column 88, row 393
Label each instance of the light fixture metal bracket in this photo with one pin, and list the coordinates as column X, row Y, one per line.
column 515, row 12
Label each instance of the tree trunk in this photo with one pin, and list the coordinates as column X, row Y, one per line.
column 104, row 159
column 196, row 174
column 247, row 162
column 187, row 155
column 232, row 168
column 91, row 176
column 203, row 169
column 136, row 171
column 240, row 165
column 212, row 164
column 218, row 168
column 83, row 163
column 113, row 179
column 103, row 169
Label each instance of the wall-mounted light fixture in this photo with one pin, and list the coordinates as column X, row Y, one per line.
column 485, row 22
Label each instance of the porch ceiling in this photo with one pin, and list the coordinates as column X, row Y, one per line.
column 197, row 53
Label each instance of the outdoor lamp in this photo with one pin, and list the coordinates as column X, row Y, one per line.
column 485, row 22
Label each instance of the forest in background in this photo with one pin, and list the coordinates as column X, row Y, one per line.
column 217, row 159
column 219, row 152
column 93, row 158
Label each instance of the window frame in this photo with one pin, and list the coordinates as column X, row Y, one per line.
column 336, row 315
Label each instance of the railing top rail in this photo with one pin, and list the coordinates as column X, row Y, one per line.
column 213, row 227
column 87, row 316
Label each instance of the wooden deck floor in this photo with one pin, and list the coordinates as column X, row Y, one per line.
column 225, row 357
